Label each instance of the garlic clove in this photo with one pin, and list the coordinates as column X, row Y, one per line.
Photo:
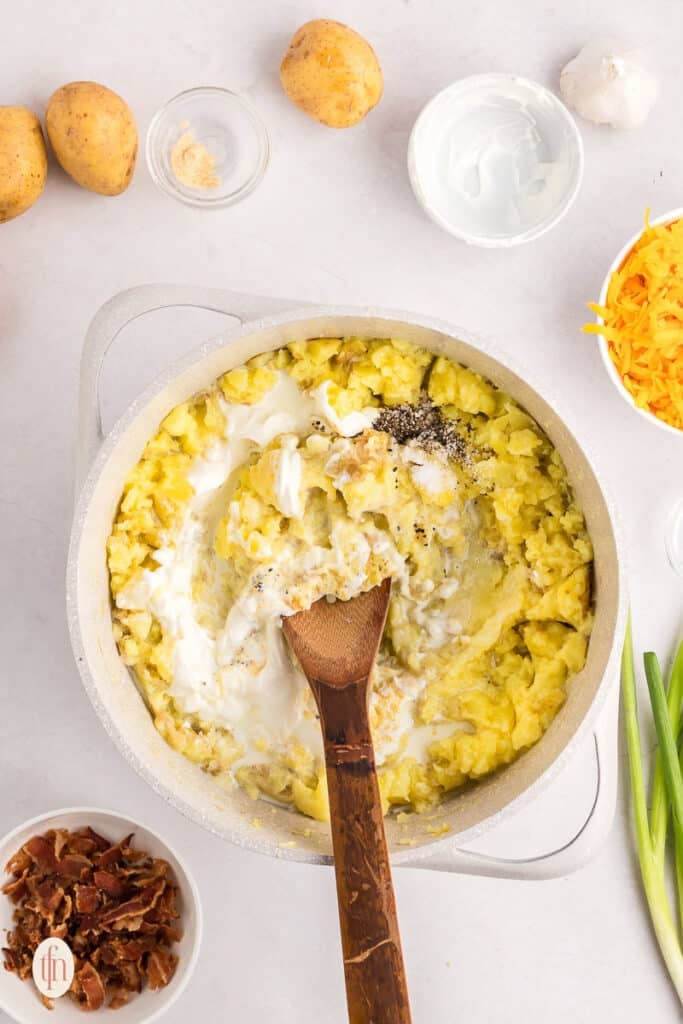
column 609, row 82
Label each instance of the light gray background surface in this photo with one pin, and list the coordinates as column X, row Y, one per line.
column 334, row 221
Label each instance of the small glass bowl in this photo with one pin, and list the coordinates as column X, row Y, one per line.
column 230, row 129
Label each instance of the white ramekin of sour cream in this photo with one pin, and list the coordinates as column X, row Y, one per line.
column 496, row 160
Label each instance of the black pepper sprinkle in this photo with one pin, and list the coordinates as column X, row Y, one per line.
column 425, row 424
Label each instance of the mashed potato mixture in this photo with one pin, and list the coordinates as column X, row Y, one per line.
column 321, row 469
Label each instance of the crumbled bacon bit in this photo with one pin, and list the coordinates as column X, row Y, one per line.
column 119, row 999
column 114, row 906
column 108, row 883
column 87, row 897
column 160, row 968
column 42, row 853
column 17, row 889
column 61, row 836
column 92, row 985
column 47, row 896
column 19, row 863
column 75, row 865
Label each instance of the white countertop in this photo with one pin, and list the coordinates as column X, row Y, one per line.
column 333, row 222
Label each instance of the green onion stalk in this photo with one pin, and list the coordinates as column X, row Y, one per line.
column 666, row 800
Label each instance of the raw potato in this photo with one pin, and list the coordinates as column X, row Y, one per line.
column 93, row 134
column 23, row 161
column 331, row 73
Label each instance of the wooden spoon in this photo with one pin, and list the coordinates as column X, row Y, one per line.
column 336, row 644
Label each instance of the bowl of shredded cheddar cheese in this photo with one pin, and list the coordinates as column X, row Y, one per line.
column 640, row 321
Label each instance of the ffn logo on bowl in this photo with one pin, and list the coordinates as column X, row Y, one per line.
column 53, row 968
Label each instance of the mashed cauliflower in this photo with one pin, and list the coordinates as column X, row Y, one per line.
column 275, row 488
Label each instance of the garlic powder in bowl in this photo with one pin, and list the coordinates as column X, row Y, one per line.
column 207, row 147
column 192, row 163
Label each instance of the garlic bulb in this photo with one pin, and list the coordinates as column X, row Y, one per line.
column 609, row 83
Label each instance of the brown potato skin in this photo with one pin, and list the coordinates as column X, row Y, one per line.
column 331, row 73
column 92, row 132
column 23, row 161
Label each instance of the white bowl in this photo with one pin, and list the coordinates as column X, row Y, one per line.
column 615, row 377
column 20, row 999
column 554, row 122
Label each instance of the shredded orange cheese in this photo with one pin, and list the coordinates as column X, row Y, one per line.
column 642, row 321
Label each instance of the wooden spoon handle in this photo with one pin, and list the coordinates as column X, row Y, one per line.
column 376, row 988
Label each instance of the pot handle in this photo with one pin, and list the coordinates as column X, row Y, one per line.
column 575, row 853
column 121, row 310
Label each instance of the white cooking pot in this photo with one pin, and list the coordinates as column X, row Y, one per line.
column 104, row 463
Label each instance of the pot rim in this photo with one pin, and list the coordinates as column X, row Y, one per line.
column 407, row 856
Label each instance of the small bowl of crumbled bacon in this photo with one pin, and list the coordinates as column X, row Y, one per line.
column 96, row 913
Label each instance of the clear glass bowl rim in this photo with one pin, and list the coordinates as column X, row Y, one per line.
column 210, row 202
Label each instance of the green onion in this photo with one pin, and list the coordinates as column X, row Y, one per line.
column 659, row 814
column 673, row 780
column 667, row 793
